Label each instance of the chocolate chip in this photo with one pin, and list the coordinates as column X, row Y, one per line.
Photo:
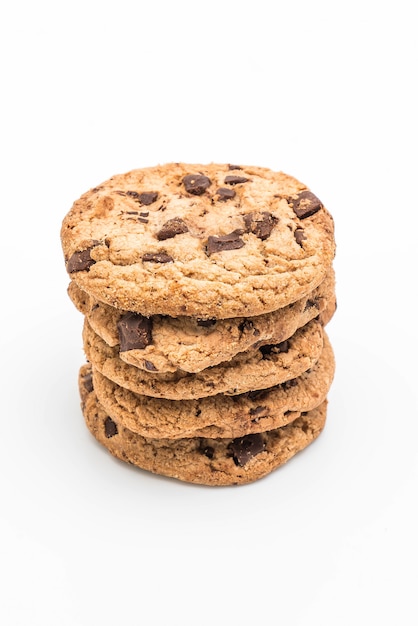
column 135, row 332
column 144, row 213
column 310, row 304
column 110, row 428
column 206, row 323
column 245, row 326
column 196, row 183
column 147, row 197
column 144, row 220
column 305, row 205
column 88, row 382
column 260, row 224
column 235, row 180
column 234, row 167
column 81, row 260
column 245, row 448
column 225, row 242
column 157, row 257
column 132, row 212
column 225, row 194
column 170, row 229
column 150, row 366
column 207, row 451
column 299, row 235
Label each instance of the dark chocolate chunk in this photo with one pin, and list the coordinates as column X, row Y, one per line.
column 225, row 242
column 245, row 448
column 299, row 235
column 81, row 260
column 196, row 183
column 235, row 180
column 147, row 197
column 234, row 167
column 173, row 227
column 132, row 212
column 305, row 204
column 207, row 451
column 144, row 213
column 206, row 323
column 225, row 194
column 144, row 220
column 288, row 384
column 150, row 366
column 88, row 382
column 135, row 332
column 110, row 428
column 309, row 304
column 260, row 224
column 157, row 257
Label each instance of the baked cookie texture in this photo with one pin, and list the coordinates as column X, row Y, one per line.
column 210, row 241
column 258, row 368
column 202, row 460
column 205, row 292
column 192, row 344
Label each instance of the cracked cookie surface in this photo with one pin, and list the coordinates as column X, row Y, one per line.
column 209, row 241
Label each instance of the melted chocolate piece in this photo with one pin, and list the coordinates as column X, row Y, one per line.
column 207, row 450
column 170, row 229
column 225, row 242
column 88, row 382
column 234, row 167
column 235, row 180
column 260, row 224
column 305, row 205
column 147, row 197
column 157, row 257
column 135, row 332
column 150, row 366
column 206, row 323
column 110, row 428
column 299, row 235
column 196, row 184
column 275, row 348
column 81, row 260
column 225, row 194
column 245, row 448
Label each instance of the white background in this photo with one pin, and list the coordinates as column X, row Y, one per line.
column 324, row 91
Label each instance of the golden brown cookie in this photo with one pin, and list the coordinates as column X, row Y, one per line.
column 166, row 344
column 201, row 460
column 220, row 415
column 258, row 368
column 208, row 241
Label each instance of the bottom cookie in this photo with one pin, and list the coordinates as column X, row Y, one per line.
column 205, row 461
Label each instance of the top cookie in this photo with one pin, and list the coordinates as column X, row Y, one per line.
column 198, row 240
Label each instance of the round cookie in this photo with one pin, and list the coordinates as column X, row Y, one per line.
column 167, row 344
column 209, row 241
column 205, row 461
column 259, row 368
column 220, row 415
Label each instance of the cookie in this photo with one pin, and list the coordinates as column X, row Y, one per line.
column 206, row 241
column 220, row 415
column 259, row 368
column 201, row 460
column 167, row 344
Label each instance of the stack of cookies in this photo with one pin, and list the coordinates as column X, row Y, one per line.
column 205, row 291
